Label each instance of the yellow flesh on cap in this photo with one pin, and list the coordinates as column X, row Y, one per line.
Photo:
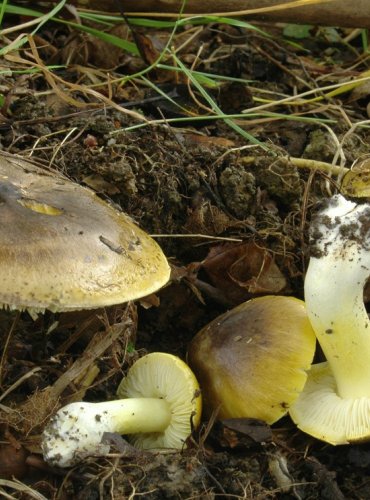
column 63, row 248
column 252, row 361
column 167, row 377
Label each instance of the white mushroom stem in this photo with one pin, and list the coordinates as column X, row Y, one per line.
column 337, row 272
column 77, row 429
column 130, row 416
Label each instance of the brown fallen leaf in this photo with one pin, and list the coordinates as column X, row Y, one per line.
column 206, row 218
column 100, row 185
column 12, row 462
column 146, row 47
column 242, row 271
column 237, row 433
column 206, row 141
column 149, row 301
column 86, row 49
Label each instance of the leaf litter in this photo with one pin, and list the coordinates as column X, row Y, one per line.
column 230, row 215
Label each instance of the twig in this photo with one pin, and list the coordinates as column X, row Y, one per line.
column 303, row 163
column 23, row 488
column 19, row 381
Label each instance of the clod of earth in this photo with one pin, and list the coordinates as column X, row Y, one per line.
column 161, row 407
column 335, row 403
column 252, row 361
column 63, row 248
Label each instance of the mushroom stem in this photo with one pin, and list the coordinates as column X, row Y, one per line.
column 130, row 416
column 124, row 416
column 77, row 429
column 334, row 283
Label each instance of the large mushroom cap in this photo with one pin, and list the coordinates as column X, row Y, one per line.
column 252, row 360
column 164, row 376
column 63, row 248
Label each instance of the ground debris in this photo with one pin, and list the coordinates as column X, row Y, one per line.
column 230, row 215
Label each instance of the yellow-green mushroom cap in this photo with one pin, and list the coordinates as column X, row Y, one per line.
column 63, row 248
column 325, row 415
column 159, row 405
column 252, row 361
column 166, row 377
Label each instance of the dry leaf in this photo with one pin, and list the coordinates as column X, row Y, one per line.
column 100, row 185
column 238, row 433
column 146, row 48
column 149, row 301
column 206, row 141
column 207, row 219
column 243, row 271
column 85, row 49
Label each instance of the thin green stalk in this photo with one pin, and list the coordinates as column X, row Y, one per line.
column 2, row 11
column 225, row 117
column 43, row 19
column 215, row 107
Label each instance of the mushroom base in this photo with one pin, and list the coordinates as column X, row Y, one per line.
column 320, row 412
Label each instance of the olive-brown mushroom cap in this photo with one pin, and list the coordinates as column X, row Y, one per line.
column 252, row 361
column 63, row 248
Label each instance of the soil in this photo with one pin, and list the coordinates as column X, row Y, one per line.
column 231, row 217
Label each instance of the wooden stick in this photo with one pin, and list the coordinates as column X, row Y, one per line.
column 355, row 13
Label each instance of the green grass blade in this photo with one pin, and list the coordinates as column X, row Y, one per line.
column 2, row 11
column 43, row 19
column 215, row 107
column 106, row 37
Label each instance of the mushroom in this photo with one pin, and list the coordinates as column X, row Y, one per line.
column 162, row 404
column 335, row 403
column 63, row 248
column 252, row 360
